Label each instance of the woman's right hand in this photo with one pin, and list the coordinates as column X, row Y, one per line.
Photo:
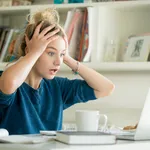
column 39, row 41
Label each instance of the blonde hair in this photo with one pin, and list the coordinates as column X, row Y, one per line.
column 49, row 16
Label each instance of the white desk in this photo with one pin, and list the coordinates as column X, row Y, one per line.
column 54, row 145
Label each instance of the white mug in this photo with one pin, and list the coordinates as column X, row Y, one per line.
column 88, row 120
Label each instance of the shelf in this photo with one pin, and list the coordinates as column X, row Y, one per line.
column 15, row 9
column 125, row 5
column 115, row 66
column 108, row 66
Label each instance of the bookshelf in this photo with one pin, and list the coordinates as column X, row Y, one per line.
column 7, row 15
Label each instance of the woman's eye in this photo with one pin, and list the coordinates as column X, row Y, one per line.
column 51, row 53
column 62, row 54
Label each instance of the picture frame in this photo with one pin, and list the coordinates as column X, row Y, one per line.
column 137, row 49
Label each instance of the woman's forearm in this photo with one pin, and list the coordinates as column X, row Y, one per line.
column 16, row 74
column 101, row 85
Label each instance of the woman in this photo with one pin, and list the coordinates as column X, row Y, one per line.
column 31, row 97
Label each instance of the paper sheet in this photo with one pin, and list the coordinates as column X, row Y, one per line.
column 26, row 139
column 118, row 131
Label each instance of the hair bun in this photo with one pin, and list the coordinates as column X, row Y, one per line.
column 49, row 14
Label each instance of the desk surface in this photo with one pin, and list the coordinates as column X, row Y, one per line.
column 54, row 145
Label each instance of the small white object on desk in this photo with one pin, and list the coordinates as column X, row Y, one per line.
column 3, row 132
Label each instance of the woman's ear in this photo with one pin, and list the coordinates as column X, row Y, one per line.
column 26, row 50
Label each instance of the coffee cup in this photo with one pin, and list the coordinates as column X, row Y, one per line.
column 89, row 120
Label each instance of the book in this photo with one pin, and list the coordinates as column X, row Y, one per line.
column 92, row 39
column 6, row 44
column 8, row 56
column 83, row 137
column 83, row 45
column 69, row 18
column 76, row 34
column 71, row 24
column 3, row 30
column 3, row 39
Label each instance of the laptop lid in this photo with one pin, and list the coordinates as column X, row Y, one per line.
column 143, row 128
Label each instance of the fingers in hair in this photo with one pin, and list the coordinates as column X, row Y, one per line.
column 49, row 35
column 46, row 30
column 52, row 38
column 37, row 29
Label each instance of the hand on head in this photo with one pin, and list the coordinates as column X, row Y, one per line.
column 40, row 40
column 66, row 41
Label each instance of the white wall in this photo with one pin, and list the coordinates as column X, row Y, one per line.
column 120, row 23
column 124, row 106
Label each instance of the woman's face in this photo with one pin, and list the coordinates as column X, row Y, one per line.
column 49, row 62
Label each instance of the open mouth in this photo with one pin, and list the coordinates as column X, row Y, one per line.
column 53, row 71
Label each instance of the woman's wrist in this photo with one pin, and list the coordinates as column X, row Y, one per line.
column 76, row 70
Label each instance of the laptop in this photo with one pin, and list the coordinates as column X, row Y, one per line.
column 142, row 131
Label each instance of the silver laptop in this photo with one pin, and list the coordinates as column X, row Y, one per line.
column 142, row 131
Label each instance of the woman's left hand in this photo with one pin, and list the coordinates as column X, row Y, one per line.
column 67, row 52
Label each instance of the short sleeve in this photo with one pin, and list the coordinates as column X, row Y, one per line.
column 75, row 91
column 6, row 99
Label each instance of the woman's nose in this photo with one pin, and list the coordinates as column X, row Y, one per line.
column 57, row 61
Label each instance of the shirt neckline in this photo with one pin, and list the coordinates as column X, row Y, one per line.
column 35, row 90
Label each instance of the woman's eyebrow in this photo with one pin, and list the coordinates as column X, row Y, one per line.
column 52, row 47
column 55, row 48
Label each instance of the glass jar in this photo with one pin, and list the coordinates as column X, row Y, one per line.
column 111, row 50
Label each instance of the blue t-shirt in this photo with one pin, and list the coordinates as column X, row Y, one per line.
column 27, row 110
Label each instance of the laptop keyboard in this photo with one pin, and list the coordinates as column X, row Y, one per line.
column 112, row 130
column 125, row 137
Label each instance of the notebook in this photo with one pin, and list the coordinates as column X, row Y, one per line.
column 24, row 139
column 142, row 131
column 83, row 137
